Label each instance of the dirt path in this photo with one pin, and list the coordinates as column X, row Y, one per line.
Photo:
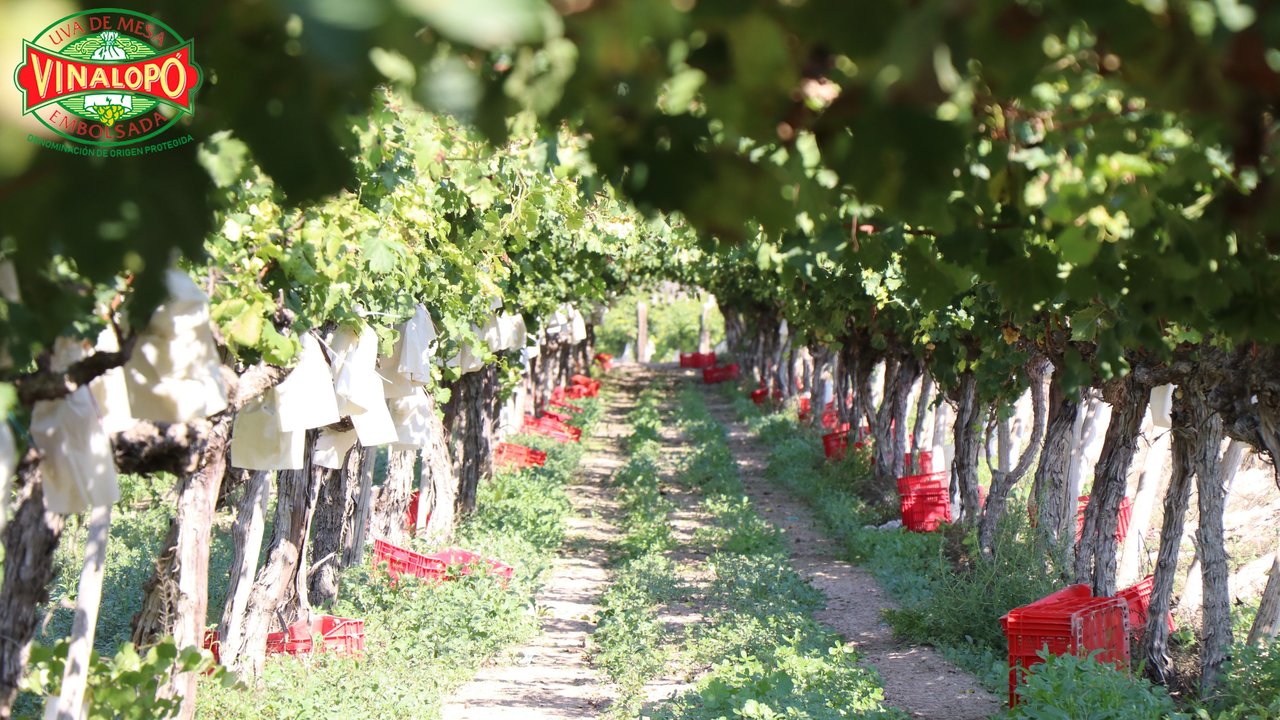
column 916, row 679
column 551, row 678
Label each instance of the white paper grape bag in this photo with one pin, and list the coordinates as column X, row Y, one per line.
column 109, row 51
column 355, row 370
column 412, row 417
column 513, row 332
column 396, row 384
column 306, row 398
column 78, row 465
column 174, row 374
column 419, row 346
column 577, row 328
column 331, row 448
column 110, row 391
column 258, row 443
column 359, row 386
column 468, row 358
column 375, row 426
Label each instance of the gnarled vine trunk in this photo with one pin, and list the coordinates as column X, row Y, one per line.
column 1187, row 419
column 69, row 703
column 247, row 533
column 176, row 598
column 1192, row 598
column 967, row 433
column 392, row 503
column 473, row 415
column 1211, row 492
column 336, row 503
column 29, row 542
column 360, row 462
column 1095, row 561
column 275, row 592
column 1267, row 621
column 438, row 486
column 1002, row 481
column 1054, row 510
column 922, row 411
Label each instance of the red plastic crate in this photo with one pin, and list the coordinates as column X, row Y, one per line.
column 518, row 456
column 560, row 403
column 584, row 381
column 1070, row 592
column 1122, row 521
column 433, row 566
column 697, row 360
column 835, row 444
column 720, row 374
column 1077, row 625
column 324, row 633
column 1138, row 597
column 936, row 482
column 561, row 426
column 806, row 407
column 468, row 561
column 562, row 417
column 407, row 562
column 925, row 510
column 551, row 428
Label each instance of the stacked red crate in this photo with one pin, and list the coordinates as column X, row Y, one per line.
column 835, row 444
column 1068, row 621
column 1138, row 596
column 925, row 465
column 925, row 501
column 323, row 633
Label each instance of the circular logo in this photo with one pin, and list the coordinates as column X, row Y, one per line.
column 108, row 77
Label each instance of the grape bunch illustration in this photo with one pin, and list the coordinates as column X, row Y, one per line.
column 107, row 110
column 109, row 114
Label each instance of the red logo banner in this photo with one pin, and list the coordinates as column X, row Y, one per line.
column 45, row 77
